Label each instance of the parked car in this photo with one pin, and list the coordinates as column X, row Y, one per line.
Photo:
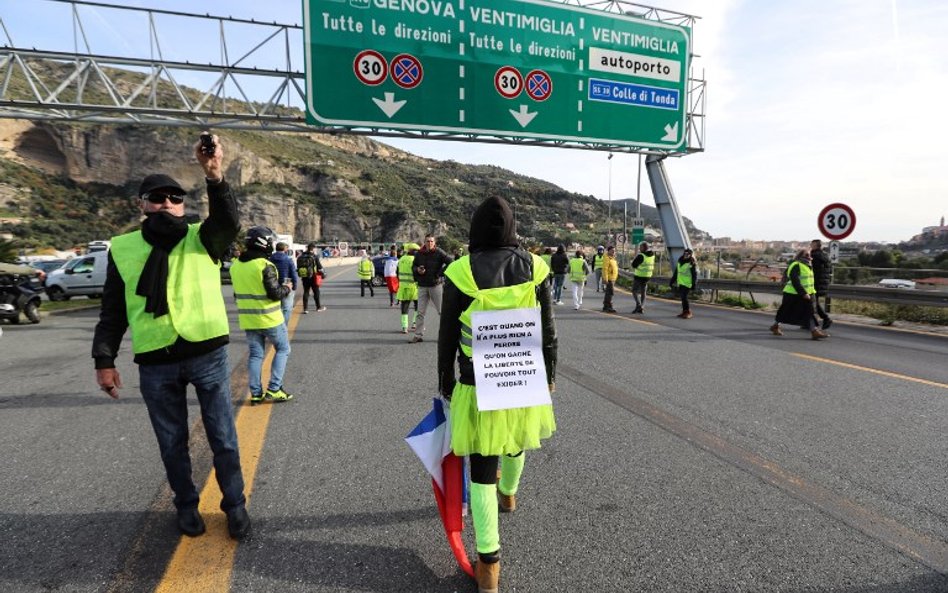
column 80, row 276
column 20, row 290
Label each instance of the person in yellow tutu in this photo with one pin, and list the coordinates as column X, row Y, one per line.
column 497, row 275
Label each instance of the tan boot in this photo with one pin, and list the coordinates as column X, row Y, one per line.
column 775, row 330
column 507, row 502
column 487, row 576
column 819, row 335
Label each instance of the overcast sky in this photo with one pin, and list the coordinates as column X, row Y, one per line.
column 809, row 102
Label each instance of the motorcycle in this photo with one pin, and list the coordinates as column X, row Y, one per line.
column 19, row 293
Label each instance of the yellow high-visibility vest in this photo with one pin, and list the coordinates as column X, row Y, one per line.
column 255, row 309
column 519, row 296
column 196, row 309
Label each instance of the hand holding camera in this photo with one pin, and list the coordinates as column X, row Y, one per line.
column 209, row 153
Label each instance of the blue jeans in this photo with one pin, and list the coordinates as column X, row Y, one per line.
column 164, row 389
column 287, row 305
column 558, row 281
column 256, row 342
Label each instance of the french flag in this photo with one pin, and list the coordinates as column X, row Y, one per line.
column 431, row 442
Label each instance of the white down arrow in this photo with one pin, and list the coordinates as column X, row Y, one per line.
column 389, row 106
column 523, row 117
column 671, row 133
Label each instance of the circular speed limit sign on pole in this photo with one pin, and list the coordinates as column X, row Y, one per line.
column 837, row 221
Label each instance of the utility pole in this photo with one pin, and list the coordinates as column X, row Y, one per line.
column 610, row 196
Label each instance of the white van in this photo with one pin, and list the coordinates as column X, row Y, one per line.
column 84, row 275
column 896, row 283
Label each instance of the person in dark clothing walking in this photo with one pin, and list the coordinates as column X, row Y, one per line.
column 163, row 281
column 288, row 277
column 685, row 279
column 428, row 271
column 559, row 265
column 311, row 274
column 822, row 276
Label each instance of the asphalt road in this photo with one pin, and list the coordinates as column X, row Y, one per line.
column 691, row 455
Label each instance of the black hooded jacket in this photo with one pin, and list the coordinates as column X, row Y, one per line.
column 559, row 262
column 822, row 271
column 496, row 261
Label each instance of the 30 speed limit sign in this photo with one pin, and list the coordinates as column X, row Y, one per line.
column 837, row 221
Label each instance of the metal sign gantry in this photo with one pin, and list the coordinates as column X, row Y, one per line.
column 253, row 82
column 260, row 86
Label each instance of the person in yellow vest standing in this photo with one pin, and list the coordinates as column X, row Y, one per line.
column 366, row 270
column 796, row 308
column 407, row 288
column 597, row 266
column 643, row 266
column 497, row 275
column 578, row 270
column 163, row 282
column 685, row 279
column 610, row 273
column 259, row 295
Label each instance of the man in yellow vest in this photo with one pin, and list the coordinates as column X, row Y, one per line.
column 685, row 279
column 643, row 266
column 259, row 296
column 597, row 266
column 497, row 275
column 163, row 282
column 578, row 270
column 366, row 270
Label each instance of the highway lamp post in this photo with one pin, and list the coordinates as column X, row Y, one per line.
column 609, row 159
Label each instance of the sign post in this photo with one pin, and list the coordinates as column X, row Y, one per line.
column 834, row 252
column 519, row 68
column 837, row 221
column 638, row 230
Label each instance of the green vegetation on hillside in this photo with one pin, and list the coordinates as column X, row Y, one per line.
column 60, row 213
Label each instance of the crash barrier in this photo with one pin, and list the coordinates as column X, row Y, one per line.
column 875, row 294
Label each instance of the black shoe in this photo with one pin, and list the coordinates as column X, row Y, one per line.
column 190, row 522
column 238, row 523
column 827, row 322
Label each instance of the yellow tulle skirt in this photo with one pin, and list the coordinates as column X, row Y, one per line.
column 407, row 291
column 496, row 432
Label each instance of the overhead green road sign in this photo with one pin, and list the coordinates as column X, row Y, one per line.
column 512, row 68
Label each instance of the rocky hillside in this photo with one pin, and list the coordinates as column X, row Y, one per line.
column 63, row 185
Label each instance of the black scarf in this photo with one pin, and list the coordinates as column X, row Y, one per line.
column 162, row 231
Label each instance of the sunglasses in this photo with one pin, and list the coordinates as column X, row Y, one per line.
column 159, row 198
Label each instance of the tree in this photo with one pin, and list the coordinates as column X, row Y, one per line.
column 8, row 251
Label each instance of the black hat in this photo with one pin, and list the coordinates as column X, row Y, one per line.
column 160, row 181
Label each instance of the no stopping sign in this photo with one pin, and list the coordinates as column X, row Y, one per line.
column 837, row 221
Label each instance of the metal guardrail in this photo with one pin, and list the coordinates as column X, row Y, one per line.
column 894, row 296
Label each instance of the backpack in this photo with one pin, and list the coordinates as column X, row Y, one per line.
column 306, row 266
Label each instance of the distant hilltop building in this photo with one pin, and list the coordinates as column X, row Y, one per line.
column 936, row 231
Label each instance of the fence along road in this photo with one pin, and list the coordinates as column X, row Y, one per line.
column 691, row 455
